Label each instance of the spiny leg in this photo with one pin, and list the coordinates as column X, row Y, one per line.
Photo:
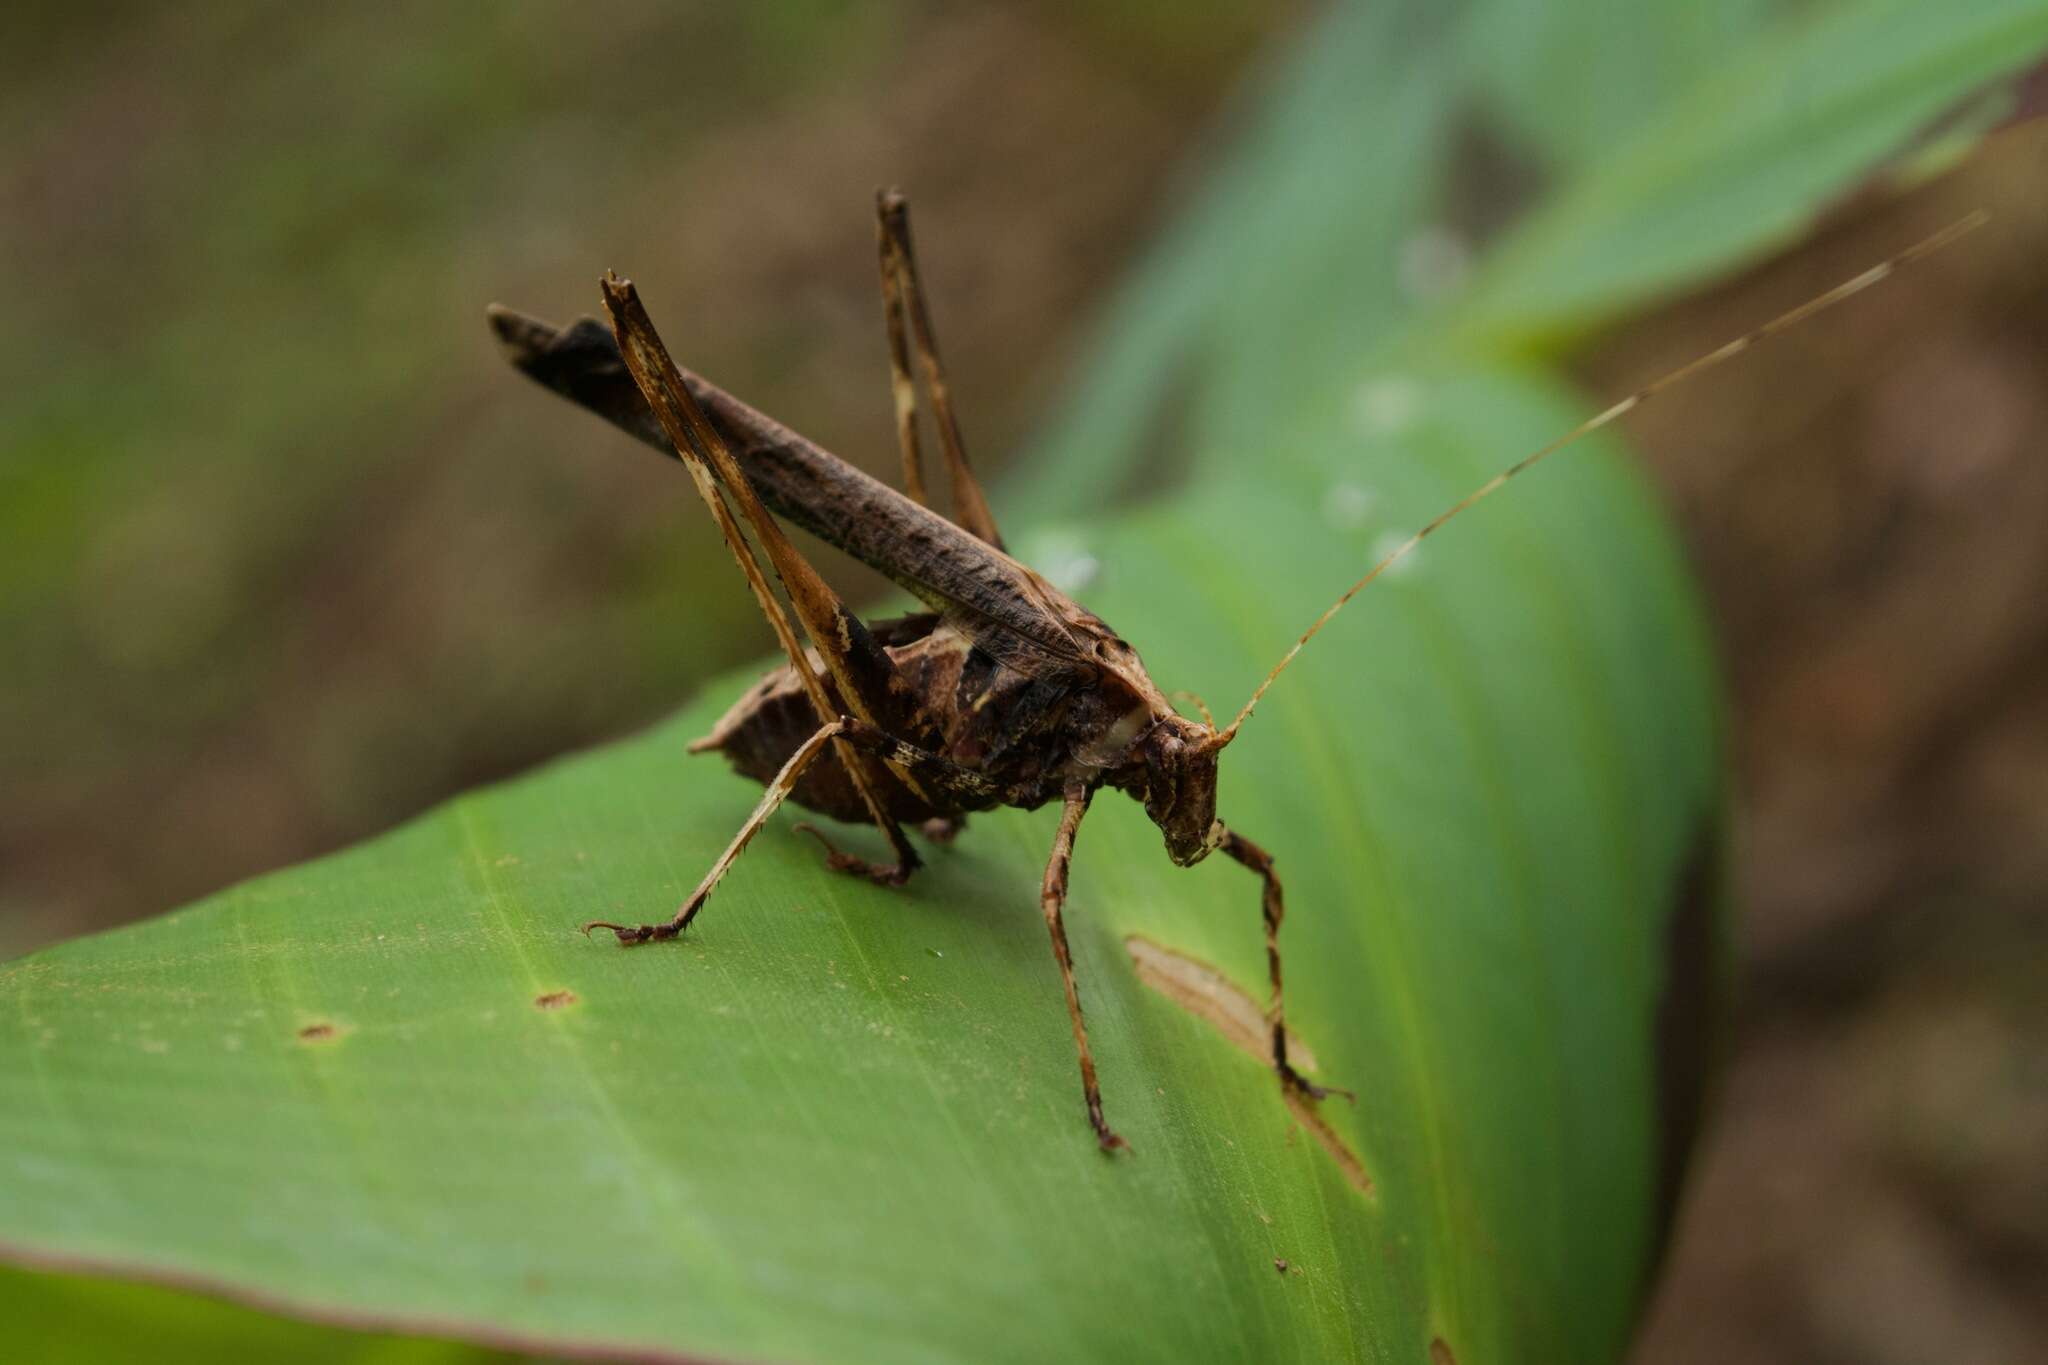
column 825, row 618
column 902, row 385
column 935, row 772
column 1052, row 899
column 903, row 295
column 778, row 791
column 1273, row 909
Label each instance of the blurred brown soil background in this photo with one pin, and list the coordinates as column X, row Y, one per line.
column 289, row 553
column 1868, row 507
column 286, row 554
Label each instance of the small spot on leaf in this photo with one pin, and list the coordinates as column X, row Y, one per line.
column 555, row 1000
column 318, row 1033
column 1063, row 557
column 1434, row 262
column 1439, row 1353
column 1388, row 405
column 1346, row 506
column 1388, row 544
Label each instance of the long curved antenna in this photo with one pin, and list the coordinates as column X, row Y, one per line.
column 1712, row 358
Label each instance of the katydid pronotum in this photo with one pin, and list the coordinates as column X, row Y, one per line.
column 1004, row 691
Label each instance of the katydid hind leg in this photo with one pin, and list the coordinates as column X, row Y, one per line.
column 853, row 865
column 958, row 785
column 826, row 619
column 1273, row 909
column 938, row 775
column 904, row 300
column 902, row 383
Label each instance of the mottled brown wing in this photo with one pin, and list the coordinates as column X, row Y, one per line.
column 1003, row 606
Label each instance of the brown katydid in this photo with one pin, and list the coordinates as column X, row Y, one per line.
column 1004, row 691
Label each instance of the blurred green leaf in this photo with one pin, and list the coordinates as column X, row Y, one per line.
column 841, row 1123
column 1750, row 154
column 1635, row 57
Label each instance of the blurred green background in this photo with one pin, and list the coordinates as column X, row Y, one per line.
column 287, row 555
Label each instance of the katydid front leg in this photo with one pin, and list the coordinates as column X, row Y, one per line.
column 1273, row 909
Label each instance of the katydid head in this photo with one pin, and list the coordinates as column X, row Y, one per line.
column 1172, row 768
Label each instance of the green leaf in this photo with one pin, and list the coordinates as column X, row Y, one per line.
column 840, row 1122
column 1733, row 165
column 1638, row 55
column 843, row 1123
column 1282, row 268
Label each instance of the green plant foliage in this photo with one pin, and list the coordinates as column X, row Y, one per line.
column 842, row 1123
column 1728, row 166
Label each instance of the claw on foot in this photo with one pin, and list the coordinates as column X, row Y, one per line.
column 1109, row 1138
column 881, row 874
column 630, row 934
column 1294, row 1080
